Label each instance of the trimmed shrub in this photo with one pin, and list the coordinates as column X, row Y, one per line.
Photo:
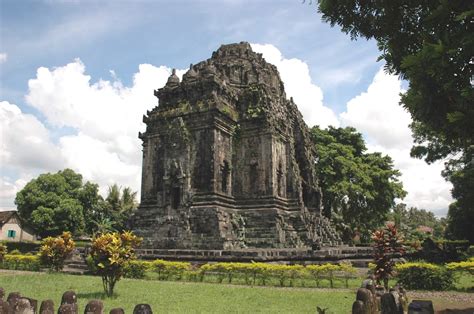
column 136, row 269
column 54, row 251
column 424, row 276
column 21, row 262
column 168, row 269
column 466, row 266
column 324, row 271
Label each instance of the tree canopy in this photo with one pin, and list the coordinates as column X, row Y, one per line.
column 431, row 44
column 52, row 203
column 417, row 224
column 57, row 202
column 359, row 188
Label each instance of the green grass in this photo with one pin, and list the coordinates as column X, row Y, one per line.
column 180, row 297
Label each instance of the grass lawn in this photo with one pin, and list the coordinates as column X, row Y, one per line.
column 180, row 297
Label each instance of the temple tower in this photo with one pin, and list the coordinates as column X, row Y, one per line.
column 227, row 161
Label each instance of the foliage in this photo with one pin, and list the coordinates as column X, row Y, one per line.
column 320, row 271
column 169, row 269
column 465, row 266
column 136, row 269
column 417, row 224
column 21, row 262
column 424, row 276
column 442, row 251
column 116, row 210
column 53, row 203
column 461, row 213
column 430, row 44
column 110, row 253
column 3, row 251
column 387, row 244
column 23, row 247
column 359, row 188
column 54, row 251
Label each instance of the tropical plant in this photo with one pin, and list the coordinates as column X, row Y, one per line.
column 110, row 252
column 54, row 251
column 387, row 244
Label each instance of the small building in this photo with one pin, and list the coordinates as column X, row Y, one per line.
column 13, row 229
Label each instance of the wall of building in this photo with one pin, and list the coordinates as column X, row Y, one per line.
column 20, row 234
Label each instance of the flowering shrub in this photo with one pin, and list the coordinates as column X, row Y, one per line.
column 110, row 252
column 54, row 251
column 424, row 276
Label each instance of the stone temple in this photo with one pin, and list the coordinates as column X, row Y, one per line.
column 228, row 163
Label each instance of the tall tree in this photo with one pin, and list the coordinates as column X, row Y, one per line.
column 120, row 205
column 431, row 44
column 359, row 188
column 411, row 222
column 53, row 203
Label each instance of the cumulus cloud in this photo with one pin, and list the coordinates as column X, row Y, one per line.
column 105, row 116
column 25, row 142
column 3, row 57
column 295, row 76
column 377, row 114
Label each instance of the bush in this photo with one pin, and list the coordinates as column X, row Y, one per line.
column 21, row 262
column 110, row 252
column 324, row 271
column 424, row 276
column 136, row 269
column 168, row 269
column 387, row 244
column 466, row 266
column 3, row 251
column 54, row 251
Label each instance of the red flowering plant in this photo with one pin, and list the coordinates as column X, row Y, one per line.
column 387, row 245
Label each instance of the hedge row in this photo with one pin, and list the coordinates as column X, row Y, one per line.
column 21, row 262
column 251, row 273
column 425, row 276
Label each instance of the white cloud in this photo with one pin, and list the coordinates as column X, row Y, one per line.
column 25, row 142
column 3, row 57
column 295, row 76
column 377, row 114
column 8, row 190
column 106, row 115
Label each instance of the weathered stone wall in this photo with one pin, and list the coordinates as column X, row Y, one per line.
column 227, row 161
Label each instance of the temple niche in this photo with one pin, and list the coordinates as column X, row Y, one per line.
column 227, row 161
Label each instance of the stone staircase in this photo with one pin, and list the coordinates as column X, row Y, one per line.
column 76, row 263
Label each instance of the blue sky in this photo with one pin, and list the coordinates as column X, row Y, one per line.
column 107, row 49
